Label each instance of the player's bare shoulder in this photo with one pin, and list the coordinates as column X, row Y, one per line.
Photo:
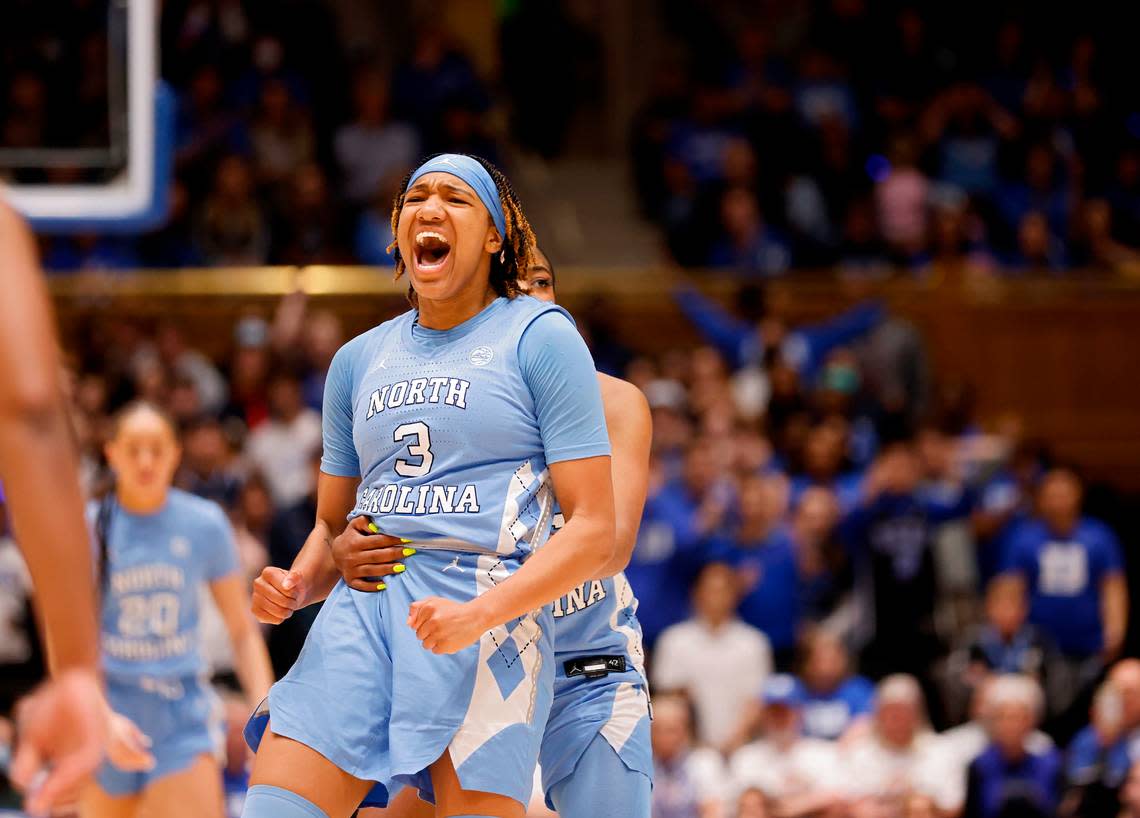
column 625, row 405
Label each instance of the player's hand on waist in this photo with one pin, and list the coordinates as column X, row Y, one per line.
column 364, row 555
column 277, row 593
column 444, row 625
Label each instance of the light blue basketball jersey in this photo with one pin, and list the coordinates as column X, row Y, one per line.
column 451, row 434
column 598, row 617
column 157, row 565
column 448, row 438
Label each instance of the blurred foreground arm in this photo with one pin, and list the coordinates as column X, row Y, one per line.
column 64, row 724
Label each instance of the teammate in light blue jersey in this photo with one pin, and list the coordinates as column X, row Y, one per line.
column 596, row 757
column 450, row 427
column 159, row 548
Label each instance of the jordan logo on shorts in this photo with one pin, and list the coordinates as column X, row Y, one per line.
column 453, row 564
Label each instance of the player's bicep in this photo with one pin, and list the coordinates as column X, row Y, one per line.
column 336, row 497
column 29, row 370
column 583, row 488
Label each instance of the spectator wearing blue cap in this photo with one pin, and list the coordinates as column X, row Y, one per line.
column 799, row 775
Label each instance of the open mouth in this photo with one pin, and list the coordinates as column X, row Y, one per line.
column 432, row 250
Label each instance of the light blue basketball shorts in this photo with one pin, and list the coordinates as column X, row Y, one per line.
column 182, row 717
column 365, row 694
column 574, row 765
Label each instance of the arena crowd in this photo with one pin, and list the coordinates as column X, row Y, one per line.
column 859, row 597
column 873, row 138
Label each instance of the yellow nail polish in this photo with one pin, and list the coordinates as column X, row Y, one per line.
column 403, row 540
column 375, row 529
column 409, row 551
column 380, row 586
column 398, row 568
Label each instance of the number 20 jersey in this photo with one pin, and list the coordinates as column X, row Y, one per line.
column 444, row 432
column 158, row 565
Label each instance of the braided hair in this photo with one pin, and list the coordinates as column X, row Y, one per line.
column 519, row 244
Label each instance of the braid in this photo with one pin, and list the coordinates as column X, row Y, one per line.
column 518, row 245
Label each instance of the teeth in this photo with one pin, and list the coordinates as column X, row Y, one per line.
column 431, row 234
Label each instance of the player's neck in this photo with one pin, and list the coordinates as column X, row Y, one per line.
column 140, row 502
column 449, row 313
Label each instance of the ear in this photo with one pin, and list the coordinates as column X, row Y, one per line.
column 494, row 242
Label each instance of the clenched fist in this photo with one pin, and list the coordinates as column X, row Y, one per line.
column 277, row 593
column 444, row 625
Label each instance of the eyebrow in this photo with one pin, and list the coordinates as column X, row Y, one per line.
column 424, row 186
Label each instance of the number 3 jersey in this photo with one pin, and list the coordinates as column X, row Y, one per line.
column 451, row 431
column 157, row 567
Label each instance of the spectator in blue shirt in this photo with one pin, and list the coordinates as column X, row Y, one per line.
column 1011, row 776
column 834, row 699
column 1005, row 501
column 889, row 540
column 1101, row 754
column 1004, row 642
column 761, row 551
column 1096, row 761
column 679, row 515
column 747, row 244
column 820, row 563
column 1072, row 568
column 823, row 460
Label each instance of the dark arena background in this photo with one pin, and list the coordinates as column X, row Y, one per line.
column 874, row 265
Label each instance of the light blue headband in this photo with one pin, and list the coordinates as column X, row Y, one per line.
column 474, row 174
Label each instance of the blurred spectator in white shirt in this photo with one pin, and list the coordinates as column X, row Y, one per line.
column 281, row 448
column 689, row 782
column 798, row 775
column 900, row 756
column 715, row 645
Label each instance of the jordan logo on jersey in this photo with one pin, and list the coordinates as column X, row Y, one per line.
column 449, row 391
column 453, row 564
